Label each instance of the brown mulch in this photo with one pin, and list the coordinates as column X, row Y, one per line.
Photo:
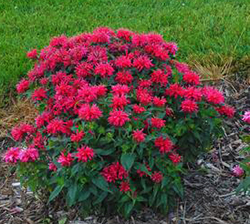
column 209, row 186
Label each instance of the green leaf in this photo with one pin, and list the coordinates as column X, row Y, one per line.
column 164, row 182
column 104, row 152
column 84, row 195
column 63, row 220
column 72, row 191
column 127, row 160
column 127, row 209
column 56, row 192
column 75, row 169
column 101, row 183
column 124, row 198
column 101, row 198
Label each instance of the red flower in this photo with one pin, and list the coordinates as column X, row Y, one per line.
column 174, row 90
column 120, row 89
column 97, row 55
column 39, row 94
column 65, row 160
column 142, row 62
column 101, row 90
column 32, row 54
column 104, row 70
column 213, row 95
column 77, row 137
column 124, row 34
column 157, row 177
column 182, row 67
column 18, row 132
column 88, row 93
column 119, row 102
column 159, row 102
column 12, row 155
column 89, row 113
column 84, row 154
column 114, row 172
column 124, row 186
column 27, row 155
column 52, row 167
column 157, row 122
column 138, row 135
column 56, row 126
column 169, row 112
column 42, row 118
column 175, row 158
column 100, row 37
column 123, row 62
column 172, row 47
column 164, row 145
column 84, row 69
column 44, row 81
column 226, row 110
column 193, row 93
column 143, row 96
column 189, row 106
column 124, row 77
column 118, row 118
column 191, row 78
column 138, row 109
column 144, row 83
column 159, row 76
column 22, row 86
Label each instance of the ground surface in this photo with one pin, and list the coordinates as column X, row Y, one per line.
column 209, row 186
column 207, row 32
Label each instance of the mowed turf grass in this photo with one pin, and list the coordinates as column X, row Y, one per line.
column 203, row 29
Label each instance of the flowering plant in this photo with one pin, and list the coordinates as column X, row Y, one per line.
column 243, row 170
column 118, row 117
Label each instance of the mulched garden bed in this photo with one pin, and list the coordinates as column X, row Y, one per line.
column 209, row 186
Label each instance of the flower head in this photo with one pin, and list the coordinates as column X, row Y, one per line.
column 29, row 154
column 32, row 54
column 138, row 136
column 157, row 177
column 189, row 106
column 238, row 171
column 118, row 118
column 246, row 117
column 114, row 172
column 157, row 122
column 77, row 137
column 84, row 154
column 12, row 155
column 164, row 145
column 124, row 186
column 65, row 160
column 22, row 86
column 52, row 166
column 89, row 113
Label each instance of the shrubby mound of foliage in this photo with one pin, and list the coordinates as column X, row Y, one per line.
column 118, row 117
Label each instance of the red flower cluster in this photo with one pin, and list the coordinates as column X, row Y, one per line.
column 14, row 155
column 84, row 154
column 104, row 90
column 114, row 172
column 164, row 145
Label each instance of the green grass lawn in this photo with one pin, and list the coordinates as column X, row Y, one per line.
column 203, row 29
